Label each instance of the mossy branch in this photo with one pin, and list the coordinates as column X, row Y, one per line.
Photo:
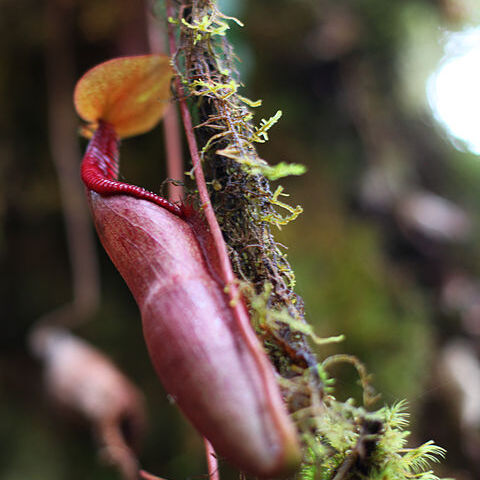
column 341, row 440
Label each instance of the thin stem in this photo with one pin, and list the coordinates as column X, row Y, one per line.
column 173, row 148
column 116, row 451
column 148, row 476
column 346, row 466
column 171, row 129
column 66, row 157
column 231, row 289
column 212, row 461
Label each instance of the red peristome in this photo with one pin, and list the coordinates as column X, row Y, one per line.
column 100, row 166
column 99, row 172
column 192, row 337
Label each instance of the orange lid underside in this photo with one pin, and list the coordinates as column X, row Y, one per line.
column 129, row 93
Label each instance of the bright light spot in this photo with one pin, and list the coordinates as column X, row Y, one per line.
column 454, row 89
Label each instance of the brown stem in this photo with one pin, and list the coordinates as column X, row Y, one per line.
column 66, row 157
column 148, row 476
column 171, row 129
column 173, row 147
column 116, row 452
column 346, row 466
column 212, row 461
column 231, row 289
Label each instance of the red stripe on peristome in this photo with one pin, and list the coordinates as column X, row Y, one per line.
column 100, row 167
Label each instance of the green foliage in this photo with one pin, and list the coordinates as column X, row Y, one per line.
column 268, row 319
column 232, row 119
column 260, row 134
column 238, row 119
column 213, row 24
column 395, row 462
column 337, row 434
column 343, row 439
column 276, row 219
column 265, row 318
column 282, row 169
column 257, row 166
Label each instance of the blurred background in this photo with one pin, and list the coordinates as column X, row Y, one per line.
column 380, row 102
